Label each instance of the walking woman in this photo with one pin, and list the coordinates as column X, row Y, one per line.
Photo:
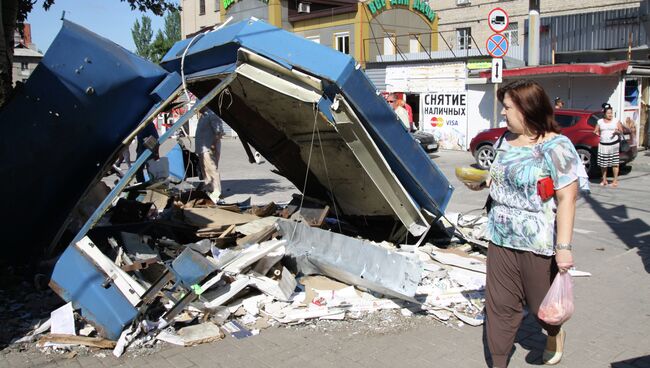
column 610, row 131
column 530, row 234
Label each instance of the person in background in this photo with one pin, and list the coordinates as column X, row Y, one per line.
column 530, row 236
column 209, row 132
column 559, row 104
column 398, row 107
column 409, row 110
column 609, row 130
column 631, row 126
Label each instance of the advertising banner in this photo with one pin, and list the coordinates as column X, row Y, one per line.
column 422, row 78
column 444, row 114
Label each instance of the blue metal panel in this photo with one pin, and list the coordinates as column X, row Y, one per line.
column 421, row 177
column 62, row 127
column 167, row 86
column 191, row 267
column 77, row 280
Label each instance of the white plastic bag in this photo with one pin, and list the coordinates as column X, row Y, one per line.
column 557, row 306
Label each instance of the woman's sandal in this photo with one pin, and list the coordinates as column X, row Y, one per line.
column 603, row 183
column 615, row 184
column 554, row 349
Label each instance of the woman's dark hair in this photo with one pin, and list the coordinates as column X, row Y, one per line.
column 606, row 107
column 534, row 104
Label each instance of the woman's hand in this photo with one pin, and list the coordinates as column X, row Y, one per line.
column 476, row 186
column 564, row 260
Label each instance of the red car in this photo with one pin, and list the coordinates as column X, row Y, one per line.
column 577, row 125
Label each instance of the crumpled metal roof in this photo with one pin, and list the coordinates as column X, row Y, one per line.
column 61, row 128
column 289, row 91
column 309, row 109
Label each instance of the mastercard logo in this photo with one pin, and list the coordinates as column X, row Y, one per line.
column 437, row 122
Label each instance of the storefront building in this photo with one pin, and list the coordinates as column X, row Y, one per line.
column 363, row 30
column 433, row 53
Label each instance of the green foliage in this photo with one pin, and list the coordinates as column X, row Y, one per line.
column 164, row 40
column 173, row 26
column 142, row 33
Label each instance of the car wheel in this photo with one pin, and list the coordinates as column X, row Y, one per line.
column 587, row 159
column 484, row 156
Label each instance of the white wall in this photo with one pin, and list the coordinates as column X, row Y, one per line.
column 585, row 93
column 480, row 102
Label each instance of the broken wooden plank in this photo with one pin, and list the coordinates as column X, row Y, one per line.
column 230, row 207
column 264, row 211
column 139, row 265
column 215, row 217
column 97, row 342
column 256, row 225
column 258, row 237
column 229, row 230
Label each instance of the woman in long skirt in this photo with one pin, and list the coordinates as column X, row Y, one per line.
column 610, row 131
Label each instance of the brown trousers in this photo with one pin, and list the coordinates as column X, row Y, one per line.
column 514, row 277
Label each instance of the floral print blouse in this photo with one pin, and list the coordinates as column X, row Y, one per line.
column 519, row 219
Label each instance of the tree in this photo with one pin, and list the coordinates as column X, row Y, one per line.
column 13, row 14
column 142, row 36
column 164, row 41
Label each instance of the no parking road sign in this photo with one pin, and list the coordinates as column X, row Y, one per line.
column 497, row 45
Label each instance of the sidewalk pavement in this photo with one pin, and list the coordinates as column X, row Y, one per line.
column 610, row 327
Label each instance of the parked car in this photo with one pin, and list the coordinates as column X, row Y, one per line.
column 577, row 125
column 426, row 140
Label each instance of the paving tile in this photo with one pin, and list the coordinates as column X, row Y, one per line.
column 179, row 361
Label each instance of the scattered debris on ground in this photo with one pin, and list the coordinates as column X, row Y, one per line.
column 220, row 270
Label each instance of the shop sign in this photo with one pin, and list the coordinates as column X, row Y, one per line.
column 424, row 8
column 421, row 6
column 444, row 114
column 479, row 64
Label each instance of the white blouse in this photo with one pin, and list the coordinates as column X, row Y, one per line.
column 607, row 130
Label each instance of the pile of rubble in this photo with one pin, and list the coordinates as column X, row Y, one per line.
column 194, row 271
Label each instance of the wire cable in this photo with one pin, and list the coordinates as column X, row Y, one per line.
column 329, row 183
column 304, row 186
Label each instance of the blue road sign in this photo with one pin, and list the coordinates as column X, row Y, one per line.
column 497, row 45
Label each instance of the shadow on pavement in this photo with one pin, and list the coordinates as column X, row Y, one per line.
column 250, row 186
column 638, row 362
column 530, row 337
column 633, row 232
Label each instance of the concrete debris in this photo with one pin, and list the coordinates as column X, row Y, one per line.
column 192, row 335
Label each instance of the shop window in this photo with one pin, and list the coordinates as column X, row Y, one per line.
column 463, row 38
column 389, row 44
column 631, row 92
column 512, row 34
column 201, row 7
column 414, row 44
column 342, row 41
